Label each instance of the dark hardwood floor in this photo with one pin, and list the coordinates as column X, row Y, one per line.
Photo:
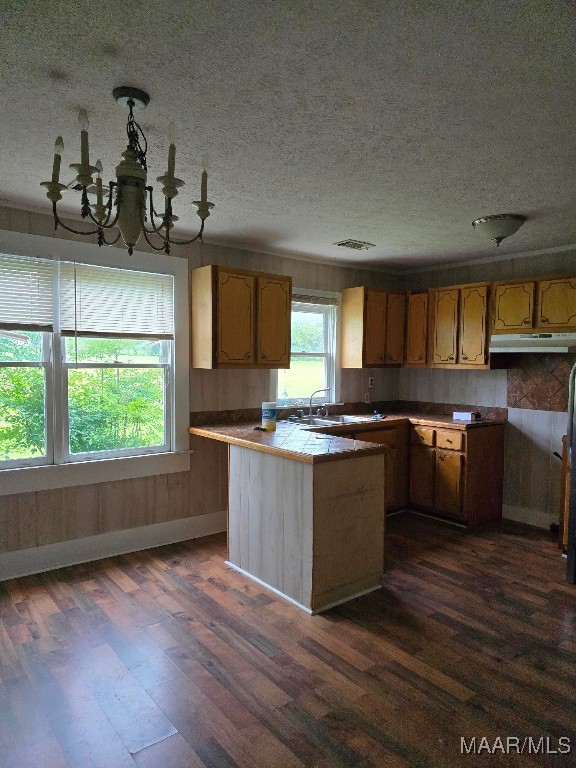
column 168, row 659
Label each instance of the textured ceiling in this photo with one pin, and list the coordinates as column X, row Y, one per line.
column 391, row 122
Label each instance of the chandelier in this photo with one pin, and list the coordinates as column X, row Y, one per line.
column 130, row 205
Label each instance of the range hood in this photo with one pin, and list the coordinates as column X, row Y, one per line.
column 533, row 342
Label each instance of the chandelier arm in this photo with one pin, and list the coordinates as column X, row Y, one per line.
column 187, row 242
column 60, row 223
column 154, row 214
column 151, row 244
column 112, row 242
column 107, row 224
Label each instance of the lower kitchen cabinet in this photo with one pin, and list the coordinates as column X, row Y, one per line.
column 396, row 464
column 422, row 471
column 458, row 472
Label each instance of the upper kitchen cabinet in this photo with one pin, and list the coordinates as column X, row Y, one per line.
column 535, row 305
column 395, row 317
column 460, row 326
column 445, row 304
column 513, row 307
column 240, row 319
column 417, row 330
column 556, row 304
column 372, row 327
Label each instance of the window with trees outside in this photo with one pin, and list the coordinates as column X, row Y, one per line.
column 312, row 356
column 86, row 360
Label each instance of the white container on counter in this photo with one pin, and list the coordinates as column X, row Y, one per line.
column 269, row 416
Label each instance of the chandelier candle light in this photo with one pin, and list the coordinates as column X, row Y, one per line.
column 127, row 209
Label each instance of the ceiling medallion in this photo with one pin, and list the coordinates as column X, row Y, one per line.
column 127, row 208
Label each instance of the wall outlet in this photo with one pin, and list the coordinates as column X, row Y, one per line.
column 366, row 397
column 370, row 382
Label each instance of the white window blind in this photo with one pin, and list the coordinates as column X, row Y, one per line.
column 26, row 293
column 318, row 300
column 101, row 301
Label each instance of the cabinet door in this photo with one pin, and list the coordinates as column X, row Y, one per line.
column 445, row 326
column 273, row 335
column 417, row 330
column 473, row 325
column 375, row 338
column 448, row 495
column 235, row 318
column 422, row 464
column 557, row 303
column 386, row 437
column 513, row 307
column 395, row 316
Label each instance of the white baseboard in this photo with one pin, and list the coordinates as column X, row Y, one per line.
column 25, row 562
column 526, row 515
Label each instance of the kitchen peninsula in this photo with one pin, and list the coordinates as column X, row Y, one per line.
column 306, row 511
column 306, row 503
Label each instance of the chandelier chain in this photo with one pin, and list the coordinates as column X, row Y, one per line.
column 134, row 132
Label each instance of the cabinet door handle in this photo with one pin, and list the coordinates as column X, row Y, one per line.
column 262, row 356
column 247, row 355
column 420, row 357
column 448, row 440
column 526, row 321
column 451, row 357
column 464, row 357
column 544, row 319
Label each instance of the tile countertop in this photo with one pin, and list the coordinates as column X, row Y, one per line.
column 317, row 444
column 292, row 441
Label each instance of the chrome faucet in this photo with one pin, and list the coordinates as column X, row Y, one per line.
column 325, row 389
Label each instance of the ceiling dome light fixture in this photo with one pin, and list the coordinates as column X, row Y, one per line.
column 131, row 191
column 499, row 226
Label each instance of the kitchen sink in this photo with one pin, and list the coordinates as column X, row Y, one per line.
column 331, row 421
column 348, row 419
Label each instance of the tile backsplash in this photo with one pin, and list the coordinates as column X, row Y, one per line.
column 539, row 382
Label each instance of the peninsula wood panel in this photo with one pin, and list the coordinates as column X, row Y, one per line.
column 417, row 330
column 294, row 527
column 348, row 529
column 271, row 537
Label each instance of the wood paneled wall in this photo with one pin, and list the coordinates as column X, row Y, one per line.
column 46, row 517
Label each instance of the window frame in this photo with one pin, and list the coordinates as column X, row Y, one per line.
column 45, row 363
column 66, row 366
column 331, row 340
column 97, row 469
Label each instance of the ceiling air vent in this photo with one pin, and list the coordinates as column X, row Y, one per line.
column 357, row 245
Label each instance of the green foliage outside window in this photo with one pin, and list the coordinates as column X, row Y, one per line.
column 109, row 409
